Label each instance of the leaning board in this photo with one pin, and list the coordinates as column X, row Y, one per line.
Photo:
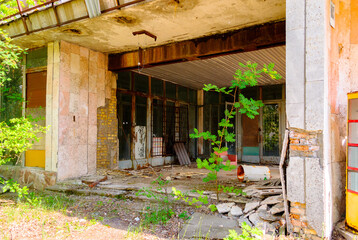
column 182, row 154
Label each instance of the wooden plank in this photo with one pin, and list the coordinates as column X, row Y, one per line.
column 282, row 161
column 246, row 39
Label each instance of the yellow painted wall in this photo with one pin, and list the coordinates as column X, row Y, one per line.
column 35, row 158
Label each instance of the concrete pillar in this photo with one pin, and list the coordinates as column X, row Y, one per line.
column 52, row 104
column 306, row 77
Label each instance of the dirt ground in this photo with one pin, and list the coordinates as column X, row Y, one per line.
column 99, row 217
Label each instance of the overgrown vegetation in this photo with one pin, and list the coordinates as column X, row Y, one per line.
column 241, row 105
column 248, row 233
column 10, row 7
column 17, row 134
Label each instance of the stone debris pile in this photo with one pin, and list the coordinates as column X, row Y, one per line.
column 264, row 207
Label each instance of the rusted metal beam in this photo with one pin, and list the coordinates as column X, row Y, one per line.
column 247, row 39
column 29, row 9
column 56, row 14
column 57, row 18
column 122, row 6
column 52, row 26
column 22, row 17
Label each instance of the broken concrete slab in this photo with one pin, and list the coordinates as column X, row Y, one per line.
column 278, row 208
column 224, row 207
column 208, row 227
column 265, row 215
column 272, row 200
column 244, row 219
column 236, row 211
column 251, row 206
column 263, row 207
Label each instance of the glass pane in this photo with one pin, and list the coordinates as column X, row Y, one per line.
column 272, row 92
column 170, row 90
column 211, row 98
column 169, row 128
column 36, row 58
column 231, row 145
column 271, row 128
column 157, row 87
column 183, row 124
column 192, row 96
column 353, row 181
column 353, row 132
column 141, row 111
column 124, row 125
column 141, row 83
column 251, row 92
column 353, row 109
column 182, row 93
column 353, row 157
column 124, row 80
column 192, row 125
column 157, row 128
column 157, row 118
column 206, row 126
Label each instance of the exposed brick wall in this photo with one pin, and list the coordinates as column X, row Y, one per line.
column 107, row 136
column 299, row 220
column 305, row 143
column 305, row 182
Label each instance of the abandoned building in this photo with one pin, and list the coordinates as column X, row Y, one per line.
column 120, row 82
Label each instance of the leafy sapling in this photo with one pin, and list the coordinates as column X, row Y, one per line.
column 242, row 105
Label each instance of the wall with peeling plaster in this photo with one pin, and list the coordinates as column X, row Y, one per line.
column 84, row 85
column 343, row 78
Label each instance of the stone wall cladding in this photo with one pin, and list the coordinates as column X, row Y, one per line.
column 107, row 135
column 34, row 177
column 305, row 182
column 85, row 84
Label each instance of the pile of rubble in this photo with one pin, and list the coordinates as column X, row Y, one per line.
column 264, row 209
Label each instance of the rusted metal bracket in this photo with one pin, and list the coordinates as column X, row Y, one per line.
column 146, row 33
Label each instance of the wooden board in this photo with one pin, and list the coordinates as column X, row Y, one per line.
column 182, row 154
column 36, row 89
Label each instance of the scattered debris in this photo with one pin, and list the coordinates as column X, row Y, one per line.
column 93, row 184
column 224, row 207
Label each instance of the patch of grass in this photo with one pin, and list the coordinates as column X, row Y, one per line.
column 49, row 202
column 157, row 216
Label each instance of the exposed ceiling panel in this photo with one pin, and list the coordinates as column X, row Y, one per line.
column 220, row 70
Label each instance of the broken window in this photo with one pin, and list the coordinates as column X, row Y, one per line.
column 272, row 92
column 36, row 58
column 124, row 112
column 182, row 93
column 271, row 129
column 157, row 128
column 157, row 87
column 124, row 80
column 141, row 83
column 169, row 138
column 170, row 90
column 192, row 96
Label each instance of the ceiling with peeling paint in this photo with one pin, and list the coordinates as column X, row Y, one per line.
column 169, row 20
